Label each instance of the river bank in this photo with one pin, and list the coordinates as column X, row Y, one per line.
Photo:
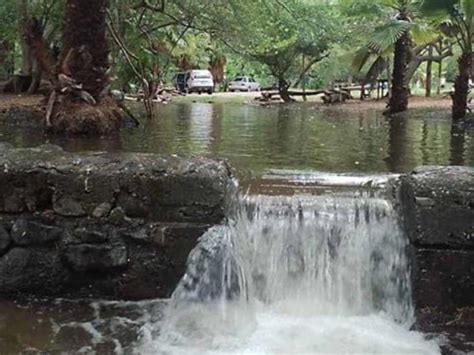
column 416, row 102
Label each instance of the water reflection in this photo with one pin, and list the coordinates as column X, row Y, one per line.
column 397, row 159
column 458, row 141
column 256, row 139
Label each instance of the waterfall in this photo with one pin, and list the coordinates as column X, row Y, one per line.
column 301, row 274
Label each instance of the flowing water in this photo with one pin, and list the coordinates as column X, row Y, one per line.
column 295, row 275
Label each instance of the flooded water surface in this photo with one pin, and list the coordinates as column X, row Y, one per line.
column 297, row 137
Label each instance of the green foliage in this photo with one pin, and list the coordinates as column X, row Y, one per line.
column 399, row 17
column 14, row 14
column 8, row 19
column 273, row 32
column 455, row 18
column 266, row 39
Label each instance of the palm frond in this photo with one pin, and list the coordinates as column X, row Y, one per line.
column 360, row 58
column 377, row 68
column 386, row 35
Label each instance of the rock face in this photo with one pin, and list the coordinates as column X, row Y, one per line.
column 444, row 207
column 440, row 223
column 5, row 240
column 103, row 225
column 438, row 210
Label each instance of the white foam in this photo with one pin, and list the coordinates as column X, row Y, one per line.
column 296, row 275
column 278, row 331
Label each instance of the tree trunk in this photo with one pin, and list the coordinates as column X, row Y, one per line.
column 85, row 106
column 440, row 74
column 461, row 87
column 26, row 60
column 85, row 50
column 283, row 87
column 37, row 74
column 303, row 81
column 6, row 60
column 399, row 91
column 429, row 74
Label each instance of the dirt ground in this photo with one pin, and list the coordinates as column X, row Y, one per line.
column 416, row 102
column 9, row 101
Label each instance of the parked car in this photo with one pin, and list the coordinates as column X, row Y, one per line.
column 194, row 81
column 200, row 81
column 179, row 81
column 244, row 83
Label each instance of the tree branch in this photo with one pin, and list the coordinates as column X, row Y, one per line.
column 309, row 66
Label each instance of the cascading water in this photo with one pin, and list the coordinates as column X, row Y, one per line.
column 296, row 275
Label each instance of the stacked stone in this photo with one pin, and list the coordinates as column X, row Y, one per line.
column 103, row 225
column 439, row 216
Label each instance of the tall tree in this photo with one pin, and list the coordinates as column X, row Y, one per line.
column 399, row 96
column 405, row 35
column 456, row 18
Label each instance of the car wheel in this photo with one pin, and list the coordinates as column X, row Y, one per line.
column 210, row 92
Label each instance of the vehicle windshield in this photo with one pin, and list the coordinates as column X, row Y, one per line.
column 239, row 78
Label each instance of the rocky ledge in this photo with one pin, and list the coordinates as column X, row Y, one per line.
column 103, row 225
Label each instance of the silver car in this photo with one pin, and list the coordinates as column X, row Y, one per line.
column 199, row 81
column 244, row 83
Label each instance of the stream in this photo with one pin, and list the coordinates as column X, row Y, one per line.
column 308, row 263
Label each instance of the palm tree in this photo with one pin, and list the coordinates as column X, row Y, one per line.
column 85, row 51
column 397, row 36
column 400, row 92
column 80, row 102
column 456, row 19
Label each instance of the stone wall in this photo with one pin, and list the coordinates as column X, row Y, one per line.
column 103, row 225
column 438, row 205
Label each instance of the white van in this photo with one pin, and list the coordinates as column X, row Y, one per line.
column 200, row 81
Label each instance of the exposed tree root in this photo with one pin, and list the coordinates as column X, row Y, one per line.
column 77, row 118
